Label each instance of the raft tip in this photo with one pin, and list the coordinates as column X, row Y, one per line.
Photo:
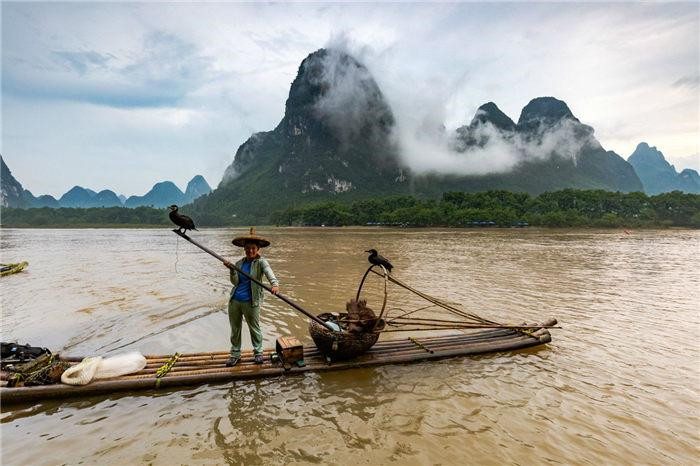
column 551, row 322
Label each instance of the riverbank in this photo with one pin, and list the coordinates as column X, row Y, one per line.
column 78, row 226
column 126, row 226
column 566, row 208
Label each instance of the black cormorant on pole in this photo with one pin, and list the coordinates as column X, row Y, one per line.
column 375, row 259
column 182, row 221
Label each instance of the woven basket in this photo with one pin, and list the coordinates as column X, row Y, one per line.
column 340, row 345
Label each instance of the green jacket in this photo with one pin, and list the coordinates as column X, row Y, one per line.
column 258, row 267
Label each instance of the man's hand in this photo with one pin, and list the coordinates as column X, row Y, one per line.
column 227, row 264
column 275, row 289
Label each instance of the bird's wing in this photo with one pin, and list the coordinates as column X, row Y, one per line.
column 187, row 221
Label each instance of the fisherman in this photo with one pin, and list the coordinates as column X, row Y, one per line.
column 247, row 296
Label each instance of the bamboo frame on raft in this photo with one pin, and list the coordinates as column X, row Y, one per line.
column 435, row 301
column 389, row 352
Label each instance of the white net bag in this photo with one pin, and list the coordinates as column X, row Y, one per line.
column 121, row 364
column 82, row 373
column 103, row 368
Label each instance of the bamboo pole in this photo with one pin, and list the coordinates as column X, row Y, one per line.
column 465, row 327
column 406, row 313
column 437, row 301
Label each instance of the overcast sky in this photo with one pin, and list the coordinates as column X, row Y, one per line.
column 120, row 96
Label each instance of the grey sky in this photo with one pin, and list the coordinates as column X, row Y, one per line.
column 121, row 96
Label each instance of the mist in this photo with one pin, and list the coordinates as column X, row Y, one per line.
column 353, row 105
column 421, row 115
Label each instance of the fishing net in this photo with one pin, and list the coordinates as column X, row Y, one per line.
column 44, row 370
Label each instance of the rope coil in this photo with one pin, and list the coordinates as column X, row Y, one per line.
column 420, row 345
column 165, row 368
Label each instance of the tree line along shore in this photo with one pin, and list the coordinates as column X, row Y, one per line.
column 565, row 208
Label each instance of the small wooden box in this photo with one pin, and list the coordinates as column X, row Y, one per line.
column 290, row 350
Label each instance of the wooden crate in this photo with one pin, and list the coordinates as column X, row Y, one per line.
column 290, row 350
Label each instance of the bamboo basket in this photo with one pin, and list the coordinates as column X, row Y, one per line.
column 340, row 345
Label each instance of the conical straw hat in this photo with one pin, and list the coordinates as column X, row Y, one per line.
column 241, row 240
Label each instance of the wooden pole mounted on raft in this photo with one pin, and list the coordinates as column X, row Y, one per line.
column 278, row 295
column 359, row 290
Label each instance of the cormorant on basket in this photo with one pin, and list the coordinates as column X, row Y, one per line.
column 359, row 331
column 376, row 259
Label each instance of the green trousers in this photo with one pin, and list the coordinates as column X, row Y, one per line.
column 236, row 311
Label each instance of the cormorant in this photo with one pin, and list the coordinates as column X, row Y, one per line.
column 376, row 259
column 182, row 221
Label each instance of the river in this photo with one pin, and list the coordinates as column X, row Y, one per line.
column 619, row 383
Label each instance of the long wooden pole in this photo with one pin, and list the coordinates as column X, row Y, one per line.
column 232, row 266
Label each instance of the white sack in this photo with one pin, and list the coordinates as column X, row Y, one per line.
column 82, row 373
column 121, row 364
column 103, row 368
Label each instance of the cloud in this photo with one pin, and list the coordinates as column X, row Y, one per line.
column 594, row 57
column 172, row 89
column 420, row 112
column 499, row 151
column 161, row 73
column 80, row 62
column 690, row 161
column 690, row 82
column 351, row 101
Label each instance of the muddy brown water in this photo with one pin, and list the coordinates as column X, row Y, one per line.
column 620, row 382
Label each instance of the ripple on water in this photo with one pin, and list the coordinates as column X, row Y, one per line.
column 619, row 383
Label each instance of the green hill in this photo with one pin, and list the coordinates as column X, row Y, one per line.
column 335, row 142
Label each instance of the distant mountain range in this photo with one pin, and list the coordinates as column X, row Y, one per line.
column 659, row 176
column 78, row 196
column 166, row 193
column 575, row 159
column 336, row 141
column 161, row 195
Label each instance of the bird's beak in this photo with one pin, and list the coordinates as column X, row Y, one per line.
column 366, row 251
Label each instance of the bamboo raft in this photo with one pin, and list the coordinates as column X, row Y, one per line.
column 203, row 368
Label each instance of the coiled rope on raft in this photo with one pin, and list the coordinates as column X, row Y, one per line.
column 165, row 368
